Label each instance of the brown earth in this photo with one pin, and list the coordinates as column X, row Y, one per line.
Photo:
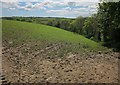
column 21, row 64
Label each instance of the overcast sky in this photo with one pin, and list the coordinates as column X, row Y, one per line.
column 49, row 8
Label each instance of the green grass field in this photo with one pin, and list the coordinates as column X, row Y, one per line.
column 19, row 32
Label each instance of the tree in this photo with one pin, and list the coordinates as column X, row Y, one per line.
column 90, row 28
column 109, row 21
column 77, row 25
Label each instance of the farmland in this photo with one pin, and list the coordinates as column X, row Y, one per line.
column 40, row 53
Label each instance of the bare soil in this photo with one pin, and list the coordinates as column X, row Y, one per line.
column 23, row 64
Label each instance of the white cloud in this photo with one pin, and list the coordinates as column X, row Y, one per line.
column 80, row 0
column 28, row 6
column 81, row 9
column 48, row 3
column 50, row 0
column 58, row 7
column 68, row 8
column 59, row 12
column 39, row 5
column 65, row 12
column 9, row 4
column 12, row 8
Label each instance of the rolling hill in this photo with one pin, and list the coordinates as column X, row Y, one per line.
column 22, row 31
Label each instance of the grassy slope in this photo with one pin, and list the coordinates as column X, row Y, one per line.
column 20, row 31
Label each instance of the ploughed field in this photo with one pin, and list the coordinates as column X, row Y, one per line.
column 37, row 53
